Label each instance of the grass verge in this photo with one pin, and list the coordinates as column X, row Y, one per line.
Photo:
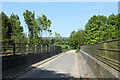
column 65, row 50
column 77, row 51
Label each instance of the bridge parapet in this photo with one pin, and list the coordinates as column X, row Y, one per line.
column 107, row 52
column 18, row 54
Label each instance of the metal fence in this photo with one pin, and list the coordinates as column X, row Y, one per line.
column 10, row 48
column 107, row 52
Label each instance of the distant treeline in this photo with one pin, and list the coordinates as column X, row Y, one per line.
column 12, row 31
column 98, row 28
column 55, row 37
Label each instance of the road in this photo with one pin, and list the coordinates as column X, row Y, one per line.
column 64, row 66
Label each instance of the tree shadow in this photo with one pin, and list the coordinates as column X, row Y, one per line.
column 42, row 74
column 45, row 74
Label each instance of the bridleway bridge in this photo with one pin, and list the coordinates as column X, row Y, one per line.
column 43, row 62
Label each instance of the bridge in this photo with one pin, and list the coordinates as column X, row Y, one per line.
column 43, row 62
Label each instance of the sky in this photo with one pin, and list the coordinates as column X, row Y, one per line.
column 60, row 0
column 65, row 16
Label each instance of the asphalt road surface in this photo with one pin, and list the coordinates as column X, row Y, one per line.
column 64, row 66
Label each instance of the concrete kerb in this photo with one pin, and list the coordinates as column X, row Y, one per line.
column 36, row 65
column 78, row 64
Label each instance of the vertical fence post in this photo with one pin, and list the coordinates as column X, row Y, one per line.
column 35, row 48
column 47, row 48
column 41, row 48
column 26, row 48
column 54, row 49
column 13, row 48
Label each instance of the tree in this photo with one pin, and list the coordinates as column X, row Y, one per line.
column 17, row 30
column 12, row 31
column 0, row 28
column 92, row 29
column 100, row 28
column 6, row 27
column 44, row 25
column 73, row 33
column 76, row 39
column 40, row 26
column 114, row 22
column 29, row 19
column 57, row 35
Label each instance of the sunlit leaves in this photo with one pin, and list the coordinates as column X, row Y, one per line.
column 100, row 28
column 76, row 39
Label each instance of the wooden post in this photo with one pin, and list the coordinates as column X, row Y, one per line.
column 35, row 49
column 13, row 48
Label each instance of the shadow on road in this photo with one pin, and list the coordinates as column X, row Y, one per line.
column 43, row 74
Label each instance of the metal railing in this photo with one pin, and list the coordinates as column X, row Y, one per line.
column 107, row 52
column 10, row 48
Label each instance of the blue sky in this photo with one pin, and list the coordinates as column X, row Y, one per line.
column 65, row 16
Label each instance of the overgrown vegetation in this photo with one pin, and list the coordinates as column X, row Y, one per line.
column 58, row 41
column 76, row 39
column 98, row 29
column 12, row 31
column 77, row 51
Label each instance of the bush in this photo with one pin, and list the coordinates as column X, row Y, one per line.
column 66, row 47
column 77, row 51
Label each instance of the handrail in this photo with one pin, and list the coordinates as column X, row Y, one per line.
column 25, row 48
column 104, row 42
column 108, row 53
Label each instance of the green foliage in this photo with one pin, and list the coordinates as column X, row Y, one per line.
column 57, row 39
column 17, row 30
column 64, row 47
column 76, row 39
column 65, row 50
column 57, row 35
column 6, row 27
column 29, row 20
column 72, row 33
column 77, row 51
column 100, row 28
column 37, row 26
column 46, row 41
column 0, row 27
column 44, row 25
column 13, row 31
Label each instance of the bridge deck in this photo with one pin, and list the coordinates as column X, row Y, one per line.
column 64, row 66
column 69, row 65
